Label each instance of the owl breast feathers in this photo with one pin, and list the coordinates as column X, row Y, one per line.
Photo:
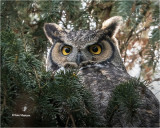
column 96, row 55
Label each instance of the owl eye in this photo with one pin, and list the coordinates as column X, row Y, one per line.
column 95, row 49
column 66, row 50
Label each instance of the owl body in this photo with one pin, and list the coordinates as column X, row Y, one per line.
column 95, row 54
column 101, row 81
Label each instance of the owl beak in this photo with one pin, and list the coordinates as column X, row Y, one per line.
column 79, row 58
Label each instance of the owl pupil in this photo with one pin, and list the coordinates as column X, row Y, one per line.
column 95, row 49
column 67, row 50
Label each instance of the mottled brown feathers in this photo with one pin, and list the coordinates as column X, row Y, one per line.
column 101, row 73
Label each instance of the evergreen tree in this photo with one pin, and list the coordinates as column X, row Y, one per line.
column 61, row 99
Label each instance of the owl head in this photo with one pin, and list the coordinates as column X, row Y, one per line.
column 83, row 47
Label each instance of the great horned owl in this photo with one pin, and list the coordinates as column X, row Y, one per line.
column 96, row 55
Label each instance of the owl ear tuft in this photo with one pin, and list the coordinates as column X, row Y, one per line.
column 111, row 26
column 53, row 32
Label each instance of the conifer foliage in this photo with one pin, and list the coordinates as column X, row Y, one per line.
column 65, row 102
column 124, row 102
column 60, row 99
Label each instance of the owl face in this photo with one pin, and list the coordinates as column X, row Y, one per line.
column 83, row 47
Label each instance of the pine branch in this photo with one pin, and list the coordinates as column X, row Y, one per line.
column 140, row 18
column 37, row 79
column 157, row 79
column 73, row 122
column 67, row 121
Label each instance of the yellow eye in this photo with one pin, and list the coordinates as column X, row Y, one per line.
column 66, row 50
column 95, row 49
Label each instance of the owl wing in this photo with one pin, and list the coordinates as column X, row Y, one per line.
column 102, row 81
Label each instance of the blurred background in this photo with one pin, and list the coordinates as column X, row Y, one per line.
column 24, row 46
